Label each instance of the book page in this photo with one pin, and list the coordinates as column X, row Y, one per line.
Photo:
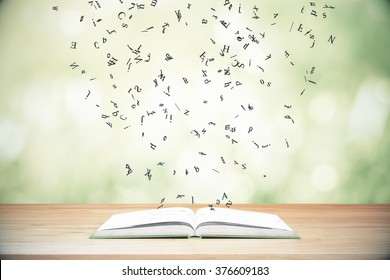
column 238, row 217
column 148, row 217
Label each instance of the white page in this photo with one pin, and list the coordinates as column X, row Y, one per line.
column 172, row 214
column 235, row 216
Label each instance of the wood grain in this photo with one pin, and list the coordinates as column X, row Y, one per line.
column 52, row 231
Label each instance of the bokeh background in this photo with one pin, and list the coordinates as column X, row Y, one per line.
column 56, row 148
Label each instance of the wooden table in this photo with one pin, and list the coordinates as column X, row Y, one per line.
column 53, row 231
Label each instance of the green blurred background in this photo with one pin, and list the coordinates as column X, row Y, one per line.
column 55, row 147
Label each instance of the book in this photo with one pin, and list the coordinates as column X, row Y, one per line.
column 204, row 223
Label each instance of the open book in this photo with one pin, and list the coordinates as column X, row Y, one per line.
column 183, row 222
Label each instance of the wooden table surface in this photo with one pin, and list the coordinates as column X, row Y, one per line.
column 328, row 231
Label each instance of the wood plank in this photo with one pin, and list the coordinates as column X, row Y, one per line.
column 52, row 231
